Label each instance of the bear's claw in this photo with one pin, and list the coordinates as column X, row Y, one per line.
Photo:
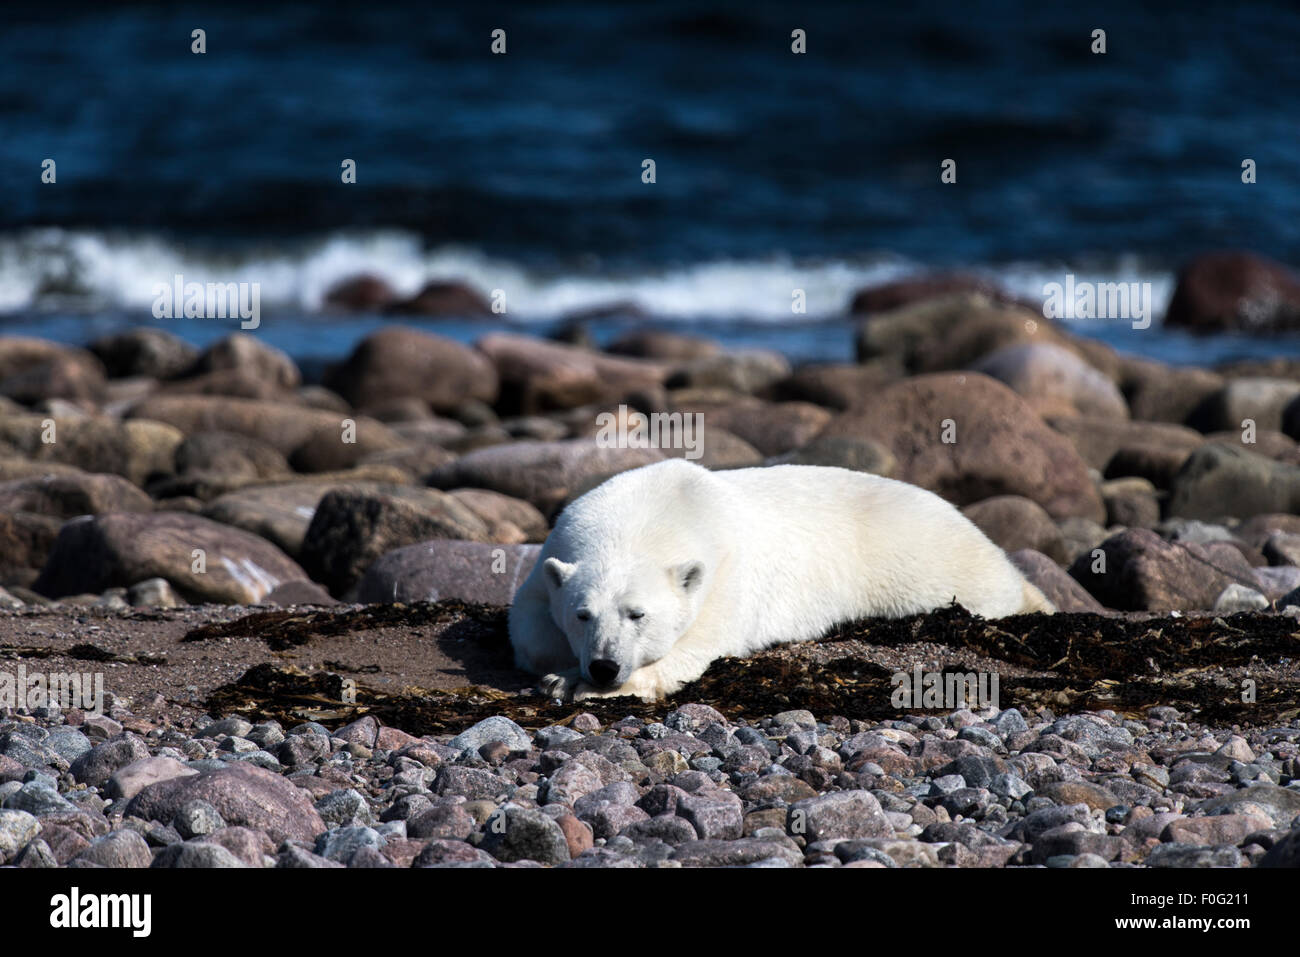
column 559, row 686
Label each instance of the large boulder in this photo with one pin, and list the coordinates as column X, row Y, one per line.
column 314, row 435
column 1140, row 571
column 837, row 385
column 1158, row 392
column 543, row 473
column 240, row 351
column 26, row 540
column 888, row 296
column 509, row 520
column 1000, row 446
column 1219, row 480
column 1097, row 440
column 70, row 495
column 744, row 371
column 135, row 450
column 770, row 427
column 229, row 459
column 353, row 527
column 202, row 560
column 1049, row 376
column 1256, row 398
column 663, row 345
column 950, row 332
column 32, row 370
column 151, row 353
column 1014, row 522
column 1054, row 582
column 398, row 362
column 431, row 571
column 537, row 375
column 361, row 293
column 444, row 298
column 279, row 513
column 1235, row 292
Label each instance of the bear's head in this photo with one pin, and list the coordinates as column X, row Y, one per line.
column 620, row 620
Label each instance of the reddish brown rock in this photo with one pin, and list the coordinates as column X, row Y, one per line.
column 1000, row 447
column 537, row 376
column 353, row 527
column 122, row 548
column 1140, row 571
column 69, row 495
column 397, row 362
column 1235, row 292
column 361, row 293
column 1054, row 582
column 1014, row 522
column 1157, row 392
column 444, row 298
column 543, row 473
column 903, row 292
column 244, row 796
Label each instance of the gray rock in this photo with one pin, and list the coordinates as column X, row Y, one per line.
column 197, row 819
column 292, row 855
column 519, row 834
column 344, row 808
column 36, row 854
column 39, row 798
column 196, row 854
column 448, row 568
column 100, row 763
column 236, row 727
column 1237, row 598
column 495, row 728
column 1193, row 855
column 340, row 843
column 739, row 853
column 67, row 742
column 842, row 814
column 122, row 848
column 17, row 828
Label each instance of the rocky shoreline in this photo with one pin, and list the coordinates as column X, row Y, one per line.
column 151, row 494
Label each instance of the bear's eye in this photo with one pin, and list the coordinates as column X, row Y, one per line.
column 636, row 613
column 583, row 615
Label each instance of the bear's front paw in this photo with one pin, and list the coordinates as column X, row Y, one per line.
column 560, row 686
column 644, row 689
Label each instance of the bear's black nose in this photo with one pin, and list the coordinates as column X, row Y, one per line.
column 604, row 671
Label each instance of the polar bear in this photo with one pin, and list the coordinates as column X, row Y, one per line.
column 652, row 575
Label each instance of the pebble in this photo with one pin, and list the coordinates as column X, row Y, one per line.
column 968, row 789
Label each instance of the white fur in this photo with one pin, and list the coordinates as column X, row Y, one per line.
column 729, row 563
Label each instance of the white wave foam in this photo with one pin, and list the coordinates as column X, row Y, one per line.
column 85, row 271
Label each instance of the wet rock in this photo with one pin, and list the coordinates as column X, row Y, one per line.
column 1235, row 292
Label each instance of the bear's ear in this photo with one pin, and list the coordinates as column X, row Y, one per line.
column 688, row 576
column 557, row 572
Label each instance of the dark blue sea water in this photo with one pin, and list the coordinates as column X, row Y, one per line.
column 523, row 171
